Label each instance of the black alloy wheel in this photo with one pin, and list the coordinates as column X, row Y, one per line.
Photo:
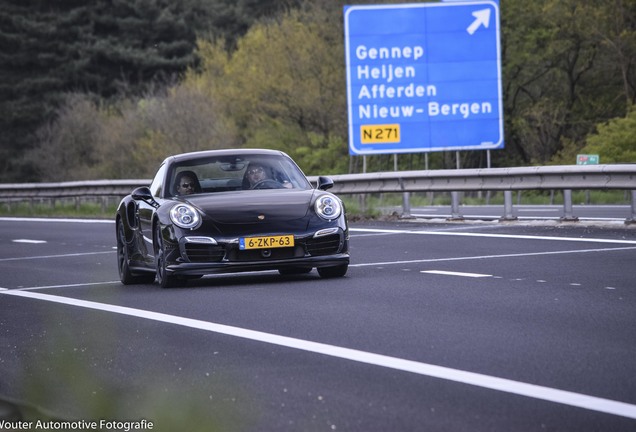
column 163, row 278
column 123, row 261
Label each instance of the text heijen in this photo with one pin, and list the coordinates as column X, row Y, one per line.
column 363, row 53
column 435, row 109
column 386, row 72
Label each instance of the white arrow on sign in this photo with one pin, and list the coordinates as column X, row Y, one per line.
column 481, row 17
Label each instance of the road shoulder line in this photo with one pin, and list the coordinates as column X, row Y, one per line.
column 491, row 235
column 485, row 381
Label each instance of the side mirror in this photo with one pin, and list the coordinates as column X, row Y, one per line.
column 324, row 183
column 143, row 194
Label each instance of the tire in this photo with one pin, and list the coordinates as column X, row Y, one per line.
column 333, row 272
column 164, row 279
column 123, row 261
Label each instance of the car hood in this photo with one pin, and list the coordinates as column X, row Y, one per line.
column 252, row 206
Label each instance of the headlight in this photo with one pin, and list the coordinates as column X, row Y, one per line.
column 185, row 216
column 328, row 207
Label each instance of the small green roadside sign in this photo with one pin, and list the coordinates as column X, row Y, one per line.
column 587, row 159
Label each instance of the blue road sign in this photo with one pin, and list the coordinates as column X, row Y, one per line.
column 423, row 77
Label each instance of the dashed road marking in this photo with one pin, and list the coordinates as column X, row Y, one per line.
column 450, row 273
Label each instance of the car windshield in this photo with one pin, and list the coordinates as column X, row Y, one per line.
column 234, row 173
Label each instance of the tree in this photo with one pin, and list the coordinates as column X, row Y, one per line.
column 229, row 20
column 68, row 150
column 283, row 86
column 615, row 26
column 561, row 74
column 137, row 43
column 104, row 47
column 35, row 69
column 614, row 141
column 128, row 138
column 271, row 74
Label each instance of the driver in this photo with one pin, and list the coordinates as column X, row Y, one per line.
column 187, row 183
column 257, row 173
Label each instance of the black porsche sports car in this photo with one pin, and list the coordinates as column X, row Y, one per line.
column 222, row 211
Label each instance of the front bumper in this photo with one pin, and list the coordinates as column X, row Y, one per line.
column 197, row 269
column 195, row 256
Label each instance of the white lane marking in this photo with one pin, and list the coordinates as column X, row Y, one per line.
column 471, row 378
column 387, row 232
column 55, row 256
column 69, row 285
column 430, row 260
column 509, row 236
column 450, row 273
column 28, row 241
column 25, row 219
column 521, row 218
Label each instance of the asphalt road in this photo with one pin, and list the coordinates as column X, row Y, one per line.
column 436, row 327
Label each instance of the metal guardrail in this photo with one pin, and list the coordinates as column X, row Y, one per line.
column 88, row 188
column 494, row 179
column 103, row 191
column 566, row 178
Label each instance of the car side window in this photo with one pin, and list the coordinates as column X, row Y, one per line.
column 156, row 187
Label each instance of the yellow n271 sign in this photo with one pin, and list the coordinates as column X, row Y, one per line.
column 374, row 134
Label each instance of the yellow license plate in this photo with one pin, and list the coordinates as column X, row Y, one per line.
column 266, row 242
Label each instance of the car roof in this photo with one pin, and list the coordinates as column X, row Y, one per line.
column 223, row 152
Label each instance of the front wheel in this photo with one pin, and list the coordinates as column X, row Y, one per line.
column 333, row 272
column 123, row 261
column 163, row 277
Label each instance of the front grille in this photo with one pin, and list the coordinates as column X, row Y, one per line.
column 326, row 245
column 198, row 252
column 266, row 254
